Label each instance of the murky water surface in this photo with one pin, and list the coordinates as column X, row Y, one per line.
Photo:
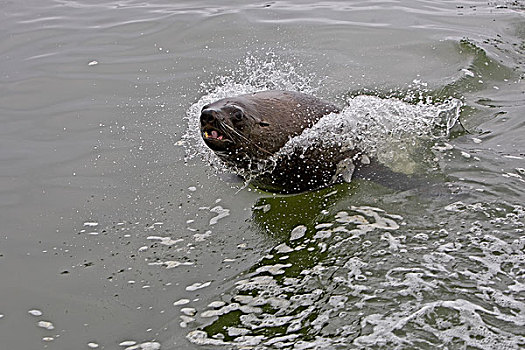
column 119, row 229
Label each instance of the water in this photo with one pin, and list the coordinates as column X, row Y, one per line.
column 119, row 230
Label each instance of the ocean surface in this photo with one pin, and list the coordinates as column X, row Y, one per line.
column 119, row 229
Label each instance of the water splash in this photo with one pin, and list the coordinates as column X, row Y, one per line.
column 389, row 129
column 254, row 73
column 384, row 128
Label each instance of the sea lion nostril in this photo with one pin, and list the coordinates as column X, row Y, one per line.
column 207, row 116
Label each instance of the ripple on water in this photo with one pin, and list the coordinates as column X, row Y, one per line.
column 356, row 288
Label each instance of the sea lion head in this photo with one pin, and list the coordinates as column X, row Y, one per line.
column 230, row 130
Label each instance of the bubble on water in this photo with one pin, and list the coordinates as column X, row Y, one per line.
column 198, row 285
column 93, row 345
column 165, row 240
column 337, row 301
column 442, row 146
column 456, row 206
column 297, row 232
column 145, row 346
column 188, row 311
column 466, row 155
column 171, row 264
column 394, row 243
column 421, row 236
column 344, row 218
column 46, row 324
column 277, row 269
column 216, row 304
column 181, row 302
column 201, row 237
column 283, row 248
column 185, row 320
column 127, row 343
column 221, row 213
column 265, row 208
column 201, row 338
column 35, row 312
column 235, row 331
column 468, row 72
column 476, row 140
column 323, row 234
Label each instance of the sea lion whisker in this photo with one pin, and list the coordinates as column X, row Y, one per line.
column 244, row 137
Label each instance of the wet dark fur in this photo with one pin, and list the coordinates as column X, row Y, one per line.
column 255, row 126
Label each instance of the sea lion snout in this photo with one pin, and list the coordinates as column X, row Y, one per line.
column 207, row 117
column 213, row 130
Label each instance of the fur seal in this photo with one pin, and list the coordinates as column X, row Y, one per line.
column 248, row 130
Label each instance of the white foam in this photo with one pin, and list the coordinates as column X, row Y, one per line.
column 35, row 312
column 198, row 285
column 221, row 213
column 171, row 264
column 277, row 269
column 46, row 324
column 165, row 240
column 145, row 346
column 181, row 302
column 127, row 343
column 185, row 320
column 298, row 232
column 387, row 129
column 201, row 237
column 188, row 311
column 216, row 304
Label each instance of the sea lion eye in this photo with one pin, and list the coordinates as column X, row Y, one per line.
column 237, row 115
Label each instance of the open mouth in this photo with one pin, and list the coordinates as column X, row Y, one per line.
column 213, row 135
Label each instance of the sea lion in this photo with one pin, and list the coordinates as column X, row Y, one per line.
column 247, row 131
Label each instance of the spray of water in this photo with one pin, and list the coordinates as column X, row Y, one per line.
column 388, row 129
